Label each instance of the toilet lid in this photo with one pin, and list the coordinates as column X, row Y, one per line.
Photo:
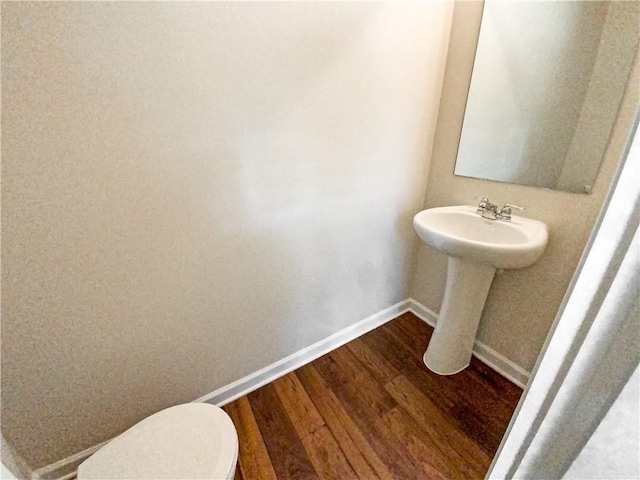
column 195, row 440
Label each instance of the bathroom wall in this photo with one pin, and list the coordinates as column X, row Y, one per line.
column 606, row 87
column 192, row 191
column 522, row 303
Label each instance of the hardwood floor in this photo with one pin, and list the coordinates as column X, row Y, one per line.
column 372, row 410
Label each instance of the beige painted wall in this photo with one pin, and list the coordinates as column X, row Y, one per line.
column 618, row 45
column 192, row 191
column 522, row 303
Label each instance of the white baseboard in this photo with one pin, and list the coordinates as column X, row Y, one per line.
column 501, row 364
column 252, row 382
column 66, row 468
column 487, row 355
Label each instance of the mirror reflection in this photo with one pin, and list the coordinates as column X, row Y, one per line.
column 547, row 81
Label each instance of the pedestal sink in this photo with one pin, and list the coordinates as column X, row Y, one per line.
column 476, row 247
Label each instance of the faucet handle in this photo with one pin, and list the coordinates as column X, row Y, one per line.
column 505, row 211
column 511, row 205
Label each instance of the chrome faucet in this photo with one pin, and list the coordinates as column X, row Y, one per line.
column 488, row 210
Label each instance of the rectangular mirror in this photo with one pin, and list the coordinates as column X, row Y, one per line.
column 547, row 81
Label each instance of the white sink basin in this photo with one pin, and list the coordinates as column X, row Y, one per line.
column 476, row 247
column 459, row 232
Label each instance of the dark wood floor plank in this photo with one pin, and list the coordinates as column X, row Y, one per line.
column 485, row 414
column 377, row 365
column 461, row 452
column 253, row 459
column 299, row 407
column 434, row 463
column 359, row 452
column 366, row 405
column 402, row 358
column 327, row 457
column 288, row 456
column 238, row 474
column 372, row 410
column 471, row 417
column 346, row 374
column 416, row 334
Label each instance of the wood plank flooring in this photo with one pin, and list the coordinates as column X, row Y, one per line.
column 372, row 410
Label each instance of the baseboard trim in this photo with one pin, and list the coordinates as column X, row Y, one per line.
column 66, row 468
column 487, row 355
column 252, row 382
column 501, row 364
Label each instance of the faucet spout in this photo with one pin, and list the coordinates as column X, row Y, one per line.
column 486, row 209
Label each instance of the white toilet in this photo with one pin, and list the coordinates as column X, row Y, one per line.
column 194, row 440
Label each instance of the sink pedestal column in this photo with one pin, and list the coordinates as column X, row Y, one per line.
column 451, row 344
